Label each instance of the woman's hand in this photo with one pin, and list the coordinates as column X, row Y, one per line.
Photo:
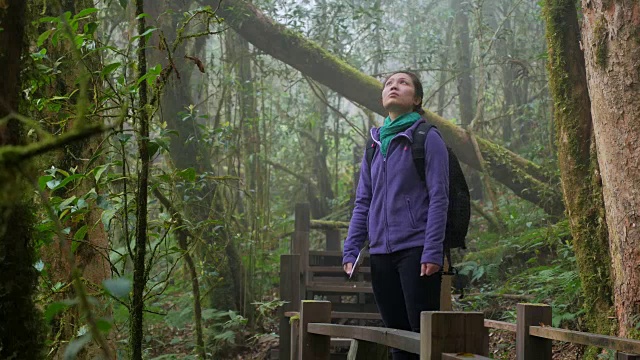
column 428, row 269
column 348, row 268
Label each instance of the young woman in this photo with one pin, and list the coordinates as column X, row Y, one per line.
column 403, row 217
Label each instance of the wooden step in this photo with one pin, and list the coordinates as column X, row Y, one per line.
column 347, row 287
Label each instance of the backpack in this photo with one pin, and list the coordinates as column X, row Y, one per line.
column 459, row 211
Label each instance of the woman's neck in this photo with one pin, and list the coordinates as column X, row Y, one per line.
column 393, row 115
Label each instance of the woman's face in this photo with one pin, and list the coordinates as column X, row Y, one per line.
column 399, row 94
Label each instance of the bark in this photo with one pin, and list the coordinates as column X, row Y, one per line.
column 528, row 180
column 611, row 42
column 444, row 63
column 253, row 167
column 139, row 274
column 21, row 332
column 503, row 47
column 463, row 54
column 91, row 255
column 578, row 161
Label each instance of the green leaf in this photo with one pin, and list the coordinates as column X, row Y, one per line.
column 85, row 12
column 107, row 215
column 118, row 287
column 189, row 174
column 54, row 309
column 123, row 3
column 152, row 148
column 104, row 325
column 51, row 184
column 143, row 15
column 79, row 235
column 44, row 36
column 110, row 68
column 43, row 180
column 67, row 180
column 76, row 345
column 67, row 202
column 90, row 28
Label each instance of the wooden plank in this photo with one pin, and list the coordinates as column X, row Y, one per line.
column 501, row 325
column 463, row 356
column 362, row 287
column 452, row 331
column 365, row 350
column 405, row 340
column 530, row 347
column 336, row 269
column 342, row 315
column 625, row 356
column 314, row 346
column 576, row 337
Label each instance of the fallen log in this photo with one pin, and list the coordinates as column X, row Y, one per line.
column 526, row 179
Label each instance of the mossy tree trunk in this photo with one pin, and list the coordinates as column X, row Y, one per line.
column 611, row 42
column 578, row 161
column 140, row 274
column 91, row 255
column 21, row 328
column 523, row 177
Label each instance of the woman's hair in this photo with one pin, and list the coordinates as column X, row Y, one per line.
column 417, row 84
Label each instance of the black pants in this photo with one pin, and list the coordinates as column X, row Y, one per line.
column 401, row 293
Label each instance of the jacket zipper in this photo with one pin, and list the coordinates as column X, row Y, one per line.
column 384, row 172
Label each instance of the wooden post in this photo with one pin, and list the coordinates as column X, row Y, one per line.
column 290, row 292
column 295, row 338
column 530, row 347
column 301, row 243
column 452, row 332
column 332, row 239
column 445, row 290
column 313, row 346
column 624, row 356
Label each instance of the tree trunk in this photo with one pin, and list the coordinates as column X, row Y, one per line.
column 578, row 161
column 463, row 54
column 21, row 330
column 503, row 46
column 136, row 320
column 526, row 179
column 611, row 42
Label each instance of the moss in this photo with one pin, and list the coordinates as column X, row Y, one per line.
column 583, row 191
column 600, row 37
column 21, row 328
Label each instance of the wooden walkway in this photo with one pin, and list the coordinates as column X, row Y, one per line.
column 324, row 309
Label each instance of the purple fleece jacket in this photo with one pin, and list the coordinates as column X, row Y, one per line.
column 393, row 209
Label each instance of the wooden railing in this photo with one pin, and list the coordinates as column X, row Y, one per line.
column 443, row 335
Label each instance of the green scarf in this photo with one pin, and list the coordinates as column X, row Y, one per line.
column 391, row 128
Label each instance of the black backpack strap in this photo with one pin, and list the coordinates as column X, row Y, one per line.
column 451, row 270
column 370, row 150
column 417, row 147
